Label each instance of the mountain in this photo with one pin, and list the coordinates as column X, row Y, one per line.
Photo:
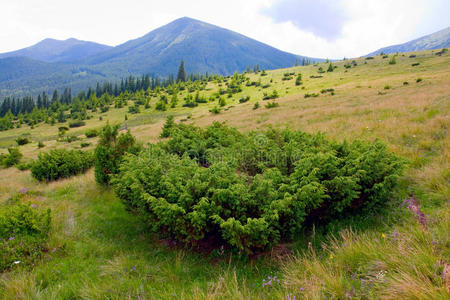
column 51, row 50
column 204, row 47
column 437, row 40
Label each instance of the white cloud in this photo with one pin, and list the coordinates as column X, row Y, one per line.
column 369, row 25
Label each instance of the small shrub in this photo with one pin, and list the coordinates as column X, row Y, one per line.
column 419, row 80
column 215, row 110
column 12, row 158
column 22, row 141
column 392, row 61
column 91, row 133
column 308, row 95
column 61, row 163
column 370, row 58
column 110, row 150
column 387, row 87
column 24, row 233
column 272, row 105
column 85, row 144
column 405, row 83
column 244, row 99
column 256, row 106
column 24, row 166
column 71, row 138
column 168, row 127
column 41, row 145
column 75, row 124
column 415, row 64
column 412, row 56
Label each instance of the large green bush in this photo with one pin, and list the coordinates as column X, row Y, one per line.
column 109, row 151
column 23, row 234
column 61, row 163
column 251, row 191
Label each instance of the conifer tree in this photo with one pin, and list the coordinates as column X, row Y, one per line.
column 181, row 72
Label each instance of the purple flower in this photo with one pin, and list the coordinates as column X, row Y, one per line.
column 11, row 238
column 134, row 268
column 23, row 190
column 34, row 205
column 302, row 289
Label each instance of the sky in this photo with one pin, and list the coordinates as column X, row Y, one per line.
column 316, row 28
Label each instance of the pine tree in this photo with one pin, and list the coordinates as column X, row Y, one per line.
column 181, row 72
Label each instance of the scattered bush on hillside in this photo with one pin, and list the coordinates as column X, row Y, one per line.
column 109, row 151
column 22, row 141
column 415, row 64
column 168, row 126
column 405, row 83
column 419, row 80
column 392, row 61
column 85, row 144
column 61, row 163
column 40, row 144
column 75, row 124
column 308, row 95
column 272, row 104
column 251, row 191
column 91, row 133
column 244, row 99
column 256, row 106
column 23, row 233
column 298, row 80
column 12, row 158
column 215, row 110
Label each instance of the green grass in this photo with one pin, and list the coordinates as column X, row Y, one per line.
column 95, row 243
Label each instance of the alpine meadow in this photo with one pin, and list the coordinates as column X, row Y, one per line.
column 197, row 163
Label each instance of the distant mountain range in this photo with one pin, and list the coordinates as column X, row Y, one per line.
column 437, row 40
column 50, row 50
column 77, row 64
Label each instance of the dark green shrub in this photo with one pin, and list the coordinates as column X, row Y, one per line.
column 41, row 144
column 22, row 141
column 91, row 133
column 12, row 158
column 23, row 234
column 109, row 151
column 419, row 80
column 24, row 166
column 272, row 105
column 168, row 126
column 61, row 163
column 392, row 61
column 71, row 138
column 415, row 64
column 256, row 106
column 298, row 80
column 250, row 191
column 244, row 99
column 76, row 123
column 85, row 144
column 215, row 110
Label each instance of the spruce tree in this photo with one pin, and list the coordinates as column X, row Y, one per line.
column 181, row 72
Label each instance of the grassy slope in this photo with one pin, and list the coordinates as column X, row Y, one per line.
column 97, row 250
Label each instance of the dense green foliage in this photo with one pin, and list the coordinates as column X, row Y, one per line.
column 12, row 158
column 109, row 151
column 250, row 191
column 23, row 233
column 61, row 163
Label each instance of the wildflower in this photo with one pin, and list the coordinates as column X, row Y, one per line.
column 33, row 205
column 383, row 235
column 11, row 238
column 302, row 289
column 17, row 262
column 134, row 268
column 54, row 249
column 23, row 190
column 331, row 256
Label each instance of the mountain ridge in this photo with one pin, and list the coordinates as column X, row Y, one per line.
column 437, row 40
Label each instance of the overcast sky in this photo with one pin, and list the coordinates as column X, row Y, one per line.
column 316, row 28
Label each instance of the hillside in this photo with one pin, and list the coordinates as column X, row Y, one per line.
column 51, row 50
column 204, row 48
column 437, row 40
column 96, row 249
